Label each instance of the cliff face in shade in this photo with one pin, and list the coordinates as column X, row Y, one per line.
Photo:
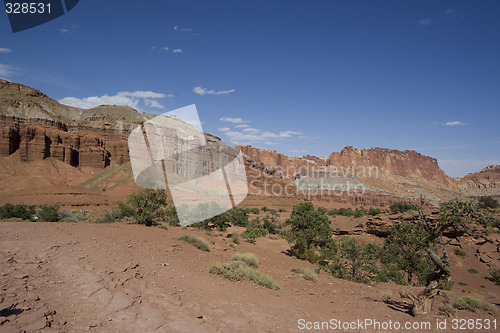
column 483, row 183
column 406, row 163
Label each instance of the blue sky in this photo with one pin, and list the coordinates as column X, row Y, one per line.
column 299, row 77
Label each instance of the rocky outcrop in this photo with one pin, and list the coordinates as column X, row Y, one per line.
column 406, row 163
column 483, row 183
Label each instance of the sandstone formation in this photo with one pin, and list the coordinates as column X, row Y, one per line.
column 483, row 183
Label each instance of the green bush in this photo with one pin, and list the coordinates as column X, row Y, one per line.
column 401, row 207
column 248, row 258
column 473, row 270
column 236, row 270
column 309, row 230
column 24, row 212
column 488, row 202
column 460, row 253
column 374, row 211
column 359, row 213
column 48, row 213
column 250, row 234
column 145, row 206
column 495, row 276
column 238, row 217
column 472, row 304
column 197, row 242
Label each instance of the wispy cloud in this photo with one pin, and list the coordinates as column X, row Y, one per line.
column 425, row 21
column 177, row 51
column 454, row 123
column 234, row 121
column 249, row 135
column 177, row 28
column 298, row 151
column 68, row 31
column 5, row 50
column 136, row 100
column 6, row 71
column 205, row 91
column 241, row 125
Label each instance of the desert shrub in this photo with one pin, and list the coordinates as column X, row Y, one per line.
column 473, row 270
column 404, row 248
column 359, row 213
column 197, row 242
column 488, row 202
column 345, row 212
column 460, row 253
column 309, row 230
column 473, row 304
column 235, row 238
column 306, row 274
column 495, row 276
column 355, row 261
column 170, row 216
column 270, row 226
column 248, row 258
column 145, row 206
column 253, row 210
column 374, row 211
column 250, row 234
column 24, row 212
column 108, row 217
column 236, row 270
column 264, row 209
column 48, row 213
column 282, row 210
column 461, row 283
column 238, row 217
column 401, row 207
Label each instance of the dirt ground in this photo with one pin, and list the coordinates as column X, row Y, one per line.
column 74, row 277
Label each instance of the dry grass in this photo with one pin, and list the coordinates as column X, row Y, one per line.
column 248, row 258
column 306, row 274
column 237, row 270
column 197, row 242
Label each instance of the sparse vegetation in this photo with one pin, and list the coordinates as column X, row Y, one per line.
column 473, row 304
column 237, row 270
column 145, row 206
column 235, row 238
column 196, row 241
column 374, row 211
column 24, row 212
column 48, row 213
column 460, row 253
column 495, row 276
column 473, row 270
column 401, row 207
column 306, row 274
column 248, row 258
column 488, row 202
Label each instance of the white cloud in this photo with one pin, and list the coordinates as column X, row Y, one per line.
column 288, row 134
column 64, row 31
column 233, row 120
column 177, row 51
column 425, row 21
column 142, row 94
column 205, row 91
column 251, row 130
column 454, row 123
column 165, row 48
column 6, row 71
column 241, row 126
column 136, row 100
column 5, row 50
column 177, row 28
column 224, row 129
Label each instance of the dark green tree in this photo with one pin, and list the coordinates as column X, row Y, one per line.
column 309, row 230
